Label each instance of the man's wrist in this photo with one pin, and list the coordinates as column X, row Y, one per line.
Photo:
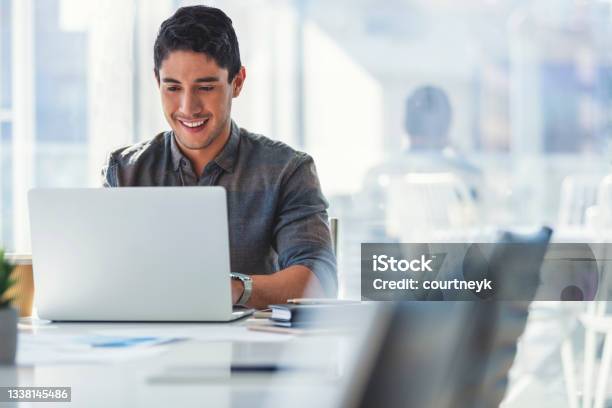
column 237, row 290
column 247, row 287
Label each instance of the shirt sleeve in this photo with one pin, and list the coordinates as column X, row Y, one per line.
column 109, row 172
column 301, row 234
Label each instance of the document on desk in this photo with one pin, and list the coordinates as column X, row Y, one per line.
column 35, row 349
column 208, row 332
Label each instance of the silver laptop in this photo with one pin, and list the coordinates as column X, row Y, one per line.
column 131, row 254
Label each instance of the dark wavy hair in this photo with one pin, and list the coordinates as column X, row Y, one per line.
column 200, row 29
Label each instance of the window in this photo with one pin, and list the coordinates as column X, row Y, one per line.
column 529, row 85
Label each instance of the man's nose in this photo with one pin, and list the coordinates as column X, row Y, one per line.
column 190, row 104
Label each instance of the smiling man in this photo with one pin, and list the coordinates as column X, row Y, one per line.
column 279, row 237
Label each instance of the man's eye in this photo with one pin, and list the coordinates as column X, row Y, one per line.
column 206, row 88
column 173, row 88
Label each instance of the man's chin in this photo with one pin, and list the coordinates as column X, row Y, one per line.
column 192, row 143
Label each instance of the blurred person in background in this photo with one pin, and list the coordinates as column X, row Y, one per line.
column 428, row 119
column 428, row 186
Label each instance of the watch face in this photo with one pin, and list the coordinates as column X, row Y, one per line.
column 241, row 276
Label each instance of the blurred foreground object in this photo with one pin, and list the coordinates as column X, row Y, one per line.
column 23, row 290
column 8, row 315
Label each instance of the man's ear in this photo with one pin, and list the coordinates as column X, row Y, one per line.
column 238, row 82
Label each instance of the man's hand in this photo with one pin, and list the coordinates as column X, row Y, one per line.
column 292, row 282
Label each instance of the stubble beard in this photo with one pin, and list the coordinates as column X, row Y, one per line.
column 205, row 144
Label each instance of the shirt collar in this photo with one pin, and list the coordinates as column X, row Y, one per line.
column 225, row 159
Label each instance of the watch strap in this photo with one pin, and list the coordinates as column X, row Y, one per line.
column 247, row 282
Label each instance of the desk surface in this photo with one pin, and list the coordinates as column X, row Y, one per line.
column 197, row 371
column 189, row 372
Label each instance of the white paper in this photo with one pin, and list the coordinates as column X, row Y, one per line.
column 44, row 348
column 209, row 333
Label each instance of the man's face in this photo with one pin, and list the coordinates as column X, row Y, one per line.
column 196, row 97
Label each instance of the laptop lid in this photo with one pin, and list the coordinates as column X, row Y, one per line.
column 131, row 254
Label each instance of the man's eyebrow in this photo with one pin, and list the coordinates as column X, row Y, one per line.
column 208, row 79
column 198, row 80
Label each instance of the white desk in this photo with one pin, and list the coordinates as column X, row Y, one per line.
column 196, row 372
column 191, row 372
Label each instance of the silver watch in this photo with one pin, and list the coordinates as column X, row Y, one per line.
column 247, row 282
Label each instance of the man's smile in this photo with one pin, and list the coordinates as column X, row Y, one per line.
column 193, row 125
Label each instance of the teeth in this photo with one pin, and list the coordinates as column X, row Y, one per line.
column 193, row 124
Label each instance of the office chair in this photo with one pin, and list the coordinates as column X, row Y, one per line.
column 429, row 206
column 578, row 195
column 595, row 319
column 489, row 346
column 458, row 354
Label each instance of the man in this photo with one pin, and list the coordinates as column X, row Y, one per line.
column 279, row 239
column 427, row 121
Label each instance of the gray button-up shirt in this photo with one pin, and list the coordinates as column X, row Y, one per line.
column 277, row 212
